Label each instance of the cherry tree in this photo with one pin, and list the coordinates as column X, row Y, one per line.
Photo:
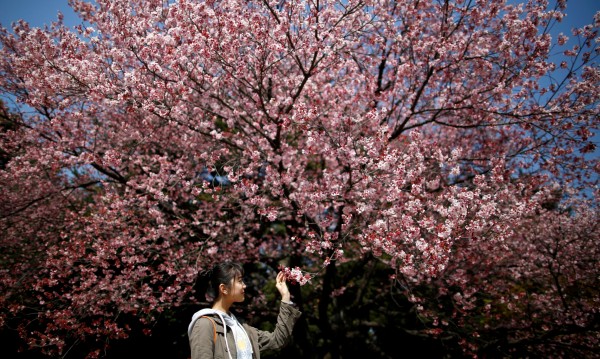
column 535, row 292
column 160, row 137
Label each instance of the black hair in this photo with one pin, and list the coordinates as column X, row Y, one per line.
column 223, row 273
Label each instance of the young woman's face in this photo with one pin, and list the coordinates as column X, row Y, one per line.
column 237, row 288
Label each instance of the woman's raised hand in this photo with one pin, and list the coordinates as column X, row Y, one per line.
column 282, row 287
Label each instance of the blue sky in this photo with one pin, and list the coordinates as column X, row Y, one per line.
column 40, row 12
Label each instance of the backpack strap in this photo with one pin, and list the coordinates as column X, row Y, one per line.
column 214, row 327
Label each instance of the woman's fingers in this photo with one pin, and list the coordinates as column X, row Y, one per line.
column 280, row 277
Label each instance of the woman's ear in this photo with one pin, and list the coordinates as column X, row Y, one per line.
column 222, row 288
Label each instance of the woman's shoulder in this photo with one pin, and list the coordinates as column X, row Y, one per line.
column 209, row 319
column 209, row 323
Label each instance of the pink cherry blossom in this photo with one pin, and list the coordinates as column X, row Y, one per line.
column 436, row 138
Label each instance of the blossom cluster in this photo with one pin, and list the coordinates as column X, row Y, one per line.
column 295, row 275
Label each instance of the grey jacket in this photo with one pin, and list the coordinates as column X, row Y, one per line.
column 203, row 345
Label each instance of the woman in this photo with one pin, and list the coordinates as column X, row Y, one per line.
column 216, row 333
